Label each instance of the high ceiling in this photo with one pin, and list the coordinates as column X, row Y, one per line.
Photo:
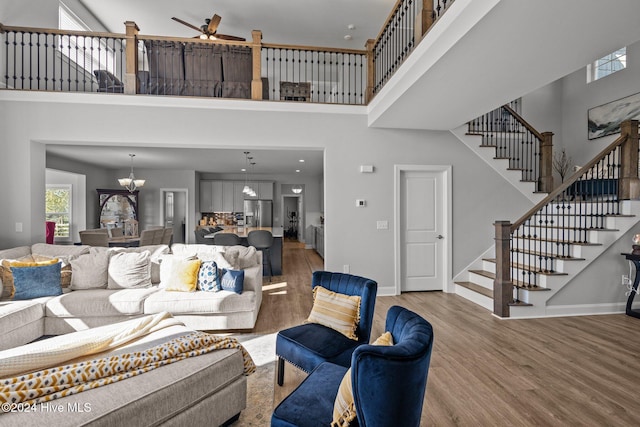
column 301, row 22
column 223, row 161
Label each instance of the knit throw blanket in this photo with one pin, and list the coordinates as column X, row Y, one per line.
column 51, row 383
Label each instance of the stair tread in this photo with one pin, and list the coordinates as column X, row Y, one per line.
column 519, row 304
column 476, row 288
column 527, row 268
column 548, row 255
column 571, row 228
column 518, row 283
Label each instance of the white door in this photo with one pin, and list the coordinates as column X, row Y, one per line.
column 423, row 251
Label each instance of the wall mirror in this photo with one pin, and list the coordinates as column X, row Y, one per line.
column 119, row 209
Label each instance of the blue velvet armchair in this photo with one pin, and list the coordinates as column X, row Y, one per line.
column 308, row 345
column 389, row 383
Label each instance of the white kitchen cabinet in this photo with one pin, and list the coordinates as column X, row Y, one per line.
column 206, row 196
column 265, row 190
column 216, row 195
column 238, row 196
column 227, row 196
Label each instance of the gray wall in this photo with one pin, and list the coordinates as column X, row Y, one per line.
column 480, row 196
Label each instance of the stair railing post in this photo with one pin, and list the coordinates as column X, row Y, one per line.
column 371, row 76
column 256, row 51
column 131, row 57
column 428, row 15
column 502, row 286
column 629, row 187
column 545, row 183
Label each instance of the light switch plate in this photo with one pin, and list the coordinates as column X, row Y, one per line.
column 18, row 227
column 383, row 225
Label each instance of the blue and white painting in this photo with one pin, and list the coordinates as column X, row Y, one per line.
column 605, row 119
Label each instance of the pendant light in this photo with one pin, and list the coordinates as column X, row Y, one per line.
column 131, row 183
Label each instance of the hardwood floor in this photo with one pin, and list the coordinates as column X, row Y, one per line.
column 491, row 372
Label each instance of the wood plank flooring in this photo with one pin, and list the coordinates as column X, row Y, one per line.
column 571, row 371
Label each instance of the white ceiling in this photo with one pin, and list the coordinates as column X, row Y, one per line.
column 301, row 22
column 268, row 162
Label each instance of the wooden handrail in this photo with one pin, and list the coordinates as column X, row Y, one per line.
column 313, row 48
column 194, row 40
column 5, row 28
column 523, row 122
column 388, row 20
column 555, row 193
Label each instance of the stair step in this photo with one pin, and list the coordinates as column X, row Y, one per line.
column 551, row 256
column 528, row 268
column 519, row 304
column 565, row 242
column 518, row 283
column 476, row 288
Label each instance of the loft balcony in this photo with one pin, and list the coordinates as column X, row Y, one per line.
column 40, row 59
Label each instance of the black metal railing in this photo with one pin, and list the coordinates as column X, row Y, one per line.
column 397, row 38
column 580, row 205
column 513, row 139
column 313, row 75
column 62, row 61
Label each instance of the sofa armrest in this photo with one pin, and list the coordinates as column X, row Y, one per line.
column 253, row 279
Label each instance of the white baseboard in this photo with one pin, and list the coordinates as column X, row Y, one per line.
column 578, row 310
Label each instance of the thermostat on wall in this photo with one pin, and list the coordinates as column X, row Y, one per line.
column 361, row 203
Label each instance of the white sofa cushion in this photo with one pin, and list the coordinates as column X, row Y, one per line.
column 199, row 302
column 99, row 303
column 15, row 314
column 157, row 252
column 129, row 270
column 59, row 251
column 90, row 271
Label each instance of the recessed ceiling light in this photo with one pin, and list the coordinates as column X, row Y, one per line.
column 243, row 170
column 347, row 37
column 298, row 170
column 301, row 160
column 351, row 27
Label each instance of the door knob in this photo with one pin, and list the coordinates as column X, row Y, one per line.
column 440, row 237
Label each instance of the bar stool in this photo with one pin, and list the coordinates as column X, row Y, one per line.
column 226, row 239
column 262, row 240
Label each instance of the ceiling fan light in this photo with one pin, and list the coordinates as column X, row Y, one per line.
column 212, row 37
column 203, row 36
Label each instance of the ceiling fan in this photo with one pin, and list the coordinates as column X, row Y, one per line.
column 210, row 29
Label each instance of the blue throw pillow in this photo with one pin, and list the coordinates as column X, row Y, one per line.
column 36, row 282
column 209, row 277
column 233, row 280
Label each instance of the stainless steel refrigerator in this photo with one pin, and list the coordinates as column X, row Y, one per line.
column 258, row 213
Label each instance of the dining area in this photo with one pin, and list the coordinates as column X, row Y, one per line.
column 116, row 237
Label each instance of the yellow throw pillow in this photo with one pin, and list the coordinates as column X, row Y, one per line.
column 336, row 311
column 7, row 276
column 183, row 275
column 344, row 409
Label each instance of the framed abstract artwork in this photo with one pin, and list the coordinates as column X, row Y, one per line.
column 605, row 119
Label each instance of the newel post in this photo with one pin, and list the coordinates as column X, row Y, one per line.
column 428, row 15
column 131, row 56
column 256, row 50
column 545, row 184
column 371, row 75
column 629, row 187
column 502, row 286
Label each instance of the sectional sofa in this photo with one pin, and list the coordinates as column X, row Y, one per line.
column 97, row 290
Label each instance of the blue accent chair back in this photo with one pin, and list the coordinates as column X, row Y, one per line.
column 388, row 382
column 309, row 344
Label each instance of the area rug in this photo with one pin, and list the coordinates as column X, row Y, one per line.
column 262, row 349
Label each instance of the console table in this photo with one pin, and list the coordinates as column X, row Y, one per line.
column 635, row 259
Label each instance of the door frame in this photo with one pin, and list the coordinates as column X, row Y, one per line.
column 187, row 220
column 446, row 218
column 299, row 200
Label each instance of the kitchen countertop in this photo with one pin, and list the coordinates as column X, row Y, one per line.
column 244, row 231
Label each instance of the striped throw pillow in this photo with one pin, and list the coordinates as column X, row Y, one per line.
column 336, row 311
column 344, row 409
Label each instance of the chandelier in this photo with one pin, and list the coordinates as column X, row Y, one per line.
column 131, row 183
column 247, row 189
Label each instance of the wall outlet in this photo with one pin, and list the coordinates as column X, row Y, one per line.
column 346, row 268
column 18, row 227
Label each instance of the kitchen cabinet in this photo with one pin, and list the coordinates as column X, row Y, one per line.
column 216, row 195
column 228, row 196
column 238, row 196
column 319, row 238
column 206, row 196
column 265, row 190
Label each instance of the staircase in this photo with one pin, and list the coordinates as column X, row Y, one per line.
column 560, row 236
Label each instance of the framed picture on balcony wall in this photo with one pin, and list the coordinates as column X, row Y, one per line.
column 605, row 119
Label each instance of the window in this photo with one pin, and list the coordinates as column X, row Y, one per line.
column 606, row 65
column 58, row 210
column 90, row 53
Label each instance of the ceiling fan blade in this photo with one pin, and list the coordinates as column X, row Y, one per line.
column 230, row 38
column 187, row 24
column 213, row 24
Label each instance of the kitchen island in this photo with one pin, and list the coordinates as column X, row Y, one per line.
column 276, row 249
